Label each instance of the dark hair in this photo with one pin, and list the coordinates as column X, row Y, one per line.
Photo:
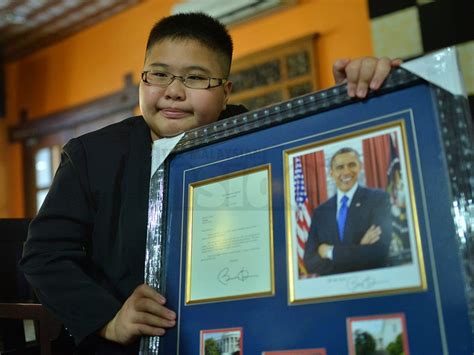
column 195, row 26
column 343, row 151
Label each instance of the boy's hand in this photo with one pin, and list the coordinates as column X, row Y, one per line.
column 363, row 73
column 143, row 313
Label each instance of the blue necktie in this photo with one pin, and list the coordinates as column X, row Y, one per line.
column 341, row 218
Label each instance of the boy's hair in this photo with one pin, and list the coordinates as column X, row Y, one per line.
column 194, row 26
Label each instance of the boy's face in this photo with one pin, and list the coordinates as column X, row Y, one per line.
column 171, row 110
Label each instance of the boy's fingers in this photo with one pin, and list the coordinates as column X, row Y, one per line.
column 145, row 290
column 396, row 62
column 339, row 70
column 366, row 73
column 143, row 329
column 362, row 88
column 352, row 72
column 363, row 73
column 153, row 320
column 351, row 89
column 150, row 306
column 381, row 71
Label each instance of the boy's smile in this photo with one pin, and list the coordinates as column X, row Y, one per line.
column 173, row 113
column 175, row 108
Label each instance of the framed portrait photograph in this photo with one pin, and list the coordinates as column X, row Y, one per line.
column 221, row 341
column 352, row 227
column 379, row 334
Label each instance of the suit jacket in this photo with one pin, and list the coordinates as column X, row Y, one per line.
column 368, row 207
column 85, row 252
column 85, row 249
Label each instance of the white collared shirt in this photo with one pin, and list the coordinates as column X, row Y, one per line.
column 160, row 150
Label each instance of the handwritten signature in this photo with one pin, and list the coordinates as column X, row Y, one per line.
column 357, row 283
column 224, row 276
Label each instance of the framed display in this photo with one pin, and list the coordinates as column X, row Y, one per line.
column 241, row 192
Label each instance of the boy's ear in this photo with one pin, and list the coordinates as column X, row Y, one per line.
column 227, row 90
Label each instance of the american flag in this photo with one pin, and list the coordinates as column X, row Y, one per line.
column 303, row 214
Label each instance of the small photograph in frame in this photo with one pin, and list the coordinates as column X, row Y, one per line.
column 379, row 334
column 352, row 227
column 230, row 237
column 221, row 341
column 319, row 351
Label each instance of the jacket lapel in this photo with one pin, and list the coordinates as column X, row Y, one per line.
column 354, row 215
column 332, row 218
column 134, row 213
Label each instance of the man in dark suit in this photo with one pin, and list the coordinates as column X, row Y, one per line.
column 351, row 231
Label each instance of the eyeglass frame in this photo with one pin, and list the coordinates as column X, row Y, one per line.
column 182, row 79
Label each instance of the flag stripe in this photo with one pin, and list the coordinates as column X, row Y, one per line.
column 302, row 214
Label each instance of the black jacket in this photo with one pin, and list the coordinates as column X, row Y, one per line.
column 85, row 250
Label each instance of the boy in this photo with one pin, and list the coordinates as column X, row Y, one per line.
column 86, row 247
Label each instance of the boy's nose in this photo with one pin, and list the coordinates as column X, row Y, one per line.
column 176, row 90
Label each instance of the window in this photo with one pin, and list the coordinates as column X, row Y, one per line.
column 275, row 74
column 43, row 138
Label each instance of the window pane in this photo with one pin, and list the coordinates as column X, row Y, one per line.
column 300, row 89
column 43, row 168
column 298, row 64
column 40, row 196
column 263, row 100
column 259, row 75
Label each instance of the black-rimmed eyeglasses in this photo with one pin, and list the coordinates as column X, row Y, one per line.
column 192, row 81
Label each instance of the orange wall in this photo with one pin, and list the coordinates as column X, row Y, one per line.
column 342, row 25
column 76, row 70
column 93, row 63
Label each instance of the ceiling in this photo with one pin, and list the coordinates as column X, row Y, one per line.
column 28, row 25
